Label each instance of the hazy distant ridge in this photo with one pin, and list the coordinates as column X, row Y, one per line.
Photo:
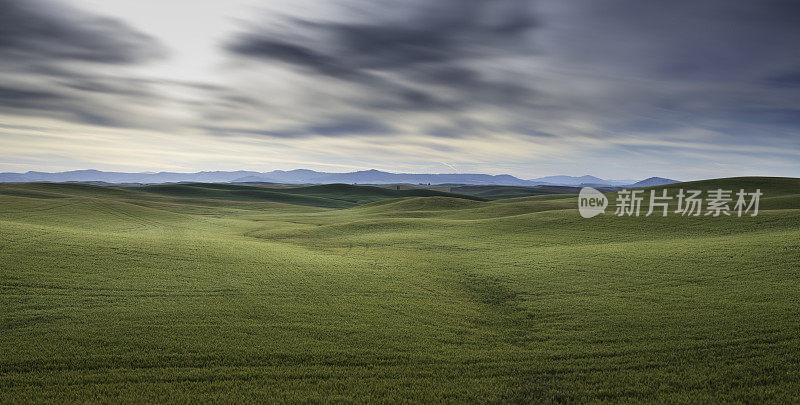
column 305, row 176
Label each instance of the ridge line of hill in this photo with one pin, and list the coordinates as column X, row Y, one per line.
column 305, row 176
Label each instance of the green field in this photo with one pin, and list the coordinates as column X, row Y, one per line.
column 345, row 293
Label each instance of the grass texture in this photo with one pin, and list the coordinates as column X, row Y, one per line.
column 205, row 293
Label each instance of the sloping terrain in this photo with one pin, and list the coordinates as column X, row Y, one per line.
column 501, row 192
column 190, row 292
column 328, row 195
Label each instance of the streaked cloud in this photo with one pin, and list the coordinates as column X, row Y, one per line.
column 41, row 32
column 528, row 87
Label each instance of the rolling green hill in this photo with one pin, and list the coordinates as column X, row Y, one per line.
column 328, row 195
column 501, row 192
column 339, row 293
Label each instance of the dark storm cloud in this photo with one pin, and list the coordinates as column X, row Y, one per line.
column 114, row 100
column 355, row 126
column 254, row 46
column 623, row 65
column 684, row 39
column 423, row 44
column 783, row 80
column 43, row 31
column 62, row 92
column 330, row 126
column 422, row 33
column 702, row 57
column 61, row 62
column 59, row 102
column 564, row 76
column 654, row 70
column 26, row 98
column 51, row 56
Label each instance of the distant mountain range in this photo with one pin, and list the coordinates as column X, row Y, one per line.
column 653, row 181
column 305, row 176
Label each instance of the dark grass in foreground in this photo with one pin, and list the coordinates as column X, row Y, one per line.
column 123, row 294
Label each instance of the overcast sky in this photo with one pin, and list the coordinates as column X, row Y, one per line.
column 613, row 88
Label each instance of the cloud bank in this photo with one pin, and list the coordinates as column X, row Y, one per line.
column 682, row 89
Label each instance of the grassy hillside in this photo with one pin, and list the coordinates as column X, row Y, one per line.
column 779, row 192
column 501, row 192
column 328, row 195
column 229, row 293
